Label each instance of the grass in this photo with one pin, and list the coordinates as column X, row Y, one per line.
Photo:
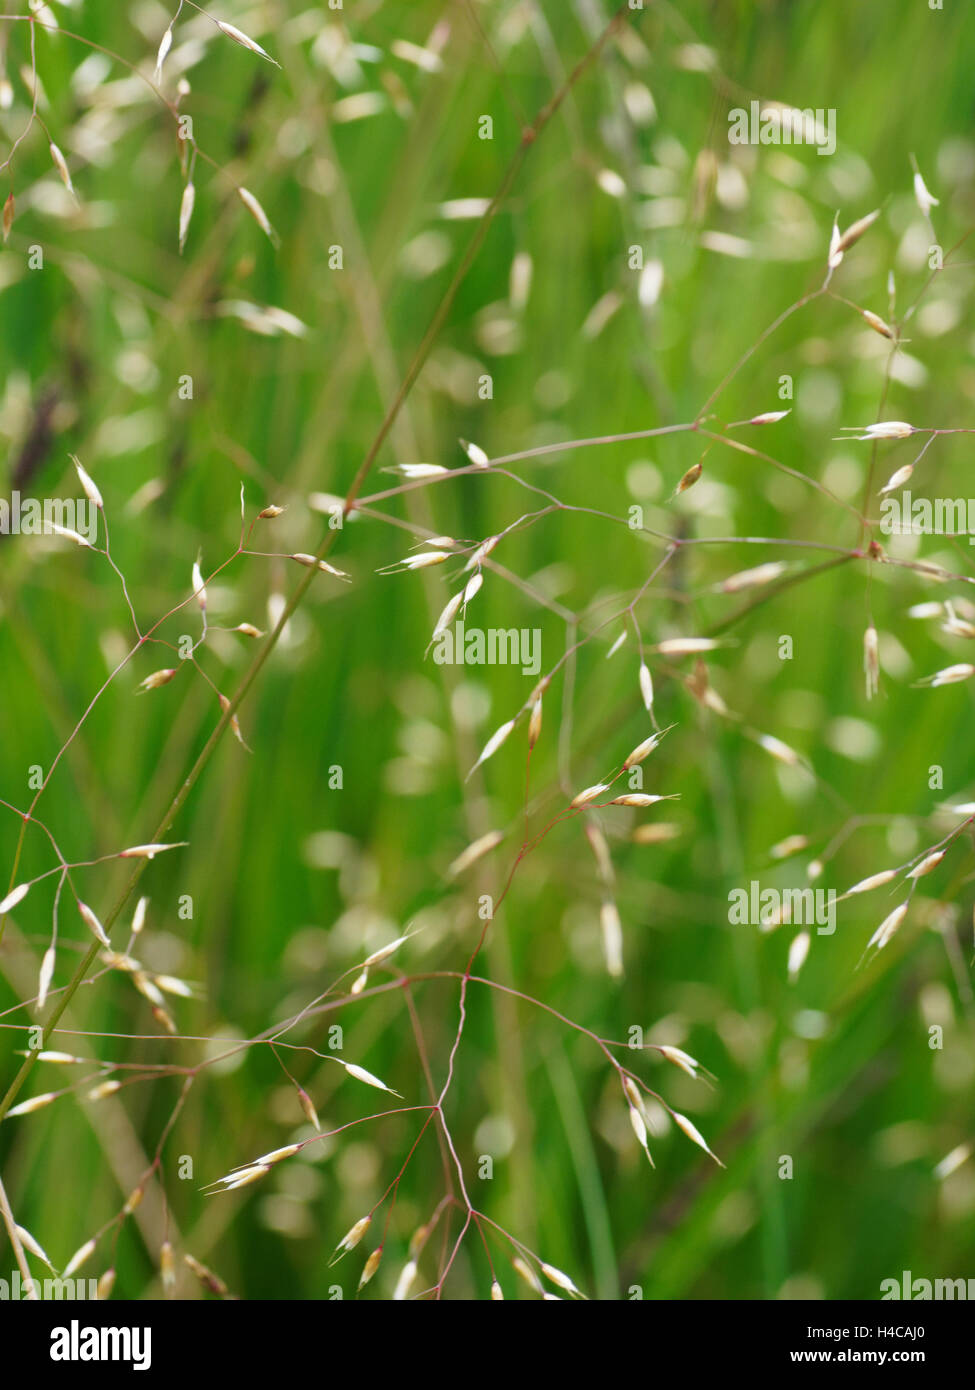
column 335, row 834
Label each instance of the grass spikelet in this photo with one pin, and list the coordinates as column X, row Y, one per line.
column 476, row 455
column 370, row 1267
column 753, row 578
column 27, row 1107
column 80, row 1256
column 612, row 933
column 167, row 1268
column 642, row 799
column 33, row 1247
column 927, row 864
column 87, row 483
column 798, row 951
column 646, row 687
column 873, row 881
column 206, row 1276
column 475, row 851
column 245, row 41
column 61, row 166
column 158, row 678
column 695, row 1135
column 405, row 1281
column 588, row 794
column 949, row 675
column 888, row 927
column 871, row 661
column 66, row 533
column 93, row 924
column 856, row 230
column 15, row 896
column 351, row 1238
column 493, row 744
column 258, row 214
column 360, row 1074
column 560, row 1279
column 186, row 204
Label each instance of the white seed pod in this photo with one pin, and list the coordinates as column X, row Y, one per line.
column 405, row 1281
column 417, row 470
column 45, row 976
column 856, row 230
column 643, row 750
column 31, row 1245
column 87, row 483
column 472, row 587
column 929, row 862
column 888, row 927
column 779, row 750
column 873, row 881
column 686, row 646
column 695, row 1135
column 535, row 722
column 950, row 675
column 589, row 794
column 384, row 952
column 497, row 1293
column 61, row 166
column 475, row 851
column 27, row 1107
column 139, row 916
column 244, row 40
column 360, row 1074
column 15, row 896
column 752, row 578
column 925, row 200
column 53, row 528
column 370, row 1266
column 680, row 1058
column 145, row 851
column 798, row 951
column 165, row 44
column 478, row 556
column 83, row 1253
column 158, row 678
column 646, row 686
column 871, row 661
column 641, row 799
column 898, row 478
column 494, row 743
column 612, row 932
column 559, row 1279
column 877, row 324
column 770, row 417
column 310, row 562
column 476, row 455
column 257, row 212
column 352, row 1237
column 792, row 844
column 93, row 924
column 186, row 204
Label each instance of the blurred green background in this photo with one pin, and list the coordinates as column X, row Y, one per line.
column 365, row 140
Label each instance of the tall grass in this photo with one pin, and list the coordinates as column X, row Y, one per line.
column 422, row 969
